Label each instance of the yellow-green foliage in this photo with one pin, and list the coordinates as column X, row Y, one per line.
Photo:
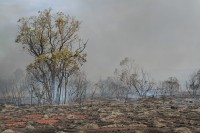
column 49, row 37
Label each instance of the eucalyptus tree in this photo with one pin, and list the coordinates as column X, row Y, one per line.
column 58, row 51
column 134, row 79
column 125, row 75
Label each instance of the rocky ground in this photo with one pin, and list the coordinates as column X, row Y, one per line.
column 141, row 116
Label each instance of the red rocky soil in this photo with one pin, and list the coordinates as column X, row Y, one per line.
column 141, row 116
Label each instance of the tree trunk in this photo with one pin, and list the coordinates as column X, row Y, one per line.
column 66, row 82
column 53, row 89
column 31, row 95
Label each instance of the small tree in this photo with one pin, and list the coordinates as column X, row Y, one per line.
column 160, row 89
column 133, row 79
column 14, row 89
column 142, row 83
column 93, row 91
column 125, row 75
column 171, row 86
column 5, row 88
column 117, row 89
column 78, row 84
column 193, row 85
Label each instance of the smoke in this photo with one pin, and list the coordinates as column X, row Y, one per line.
column 162, row 36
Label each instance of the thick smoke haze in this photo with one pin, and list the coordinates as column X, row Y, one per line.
column 161, row 36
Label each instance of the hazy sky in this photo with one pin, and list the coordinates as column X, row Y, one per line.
column 163, row 36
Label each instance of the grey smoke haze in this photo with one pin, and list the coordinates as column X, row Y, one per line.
column 162, row 36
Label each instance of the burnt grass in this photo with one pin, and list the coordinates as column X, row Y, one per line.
column 147, row 115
